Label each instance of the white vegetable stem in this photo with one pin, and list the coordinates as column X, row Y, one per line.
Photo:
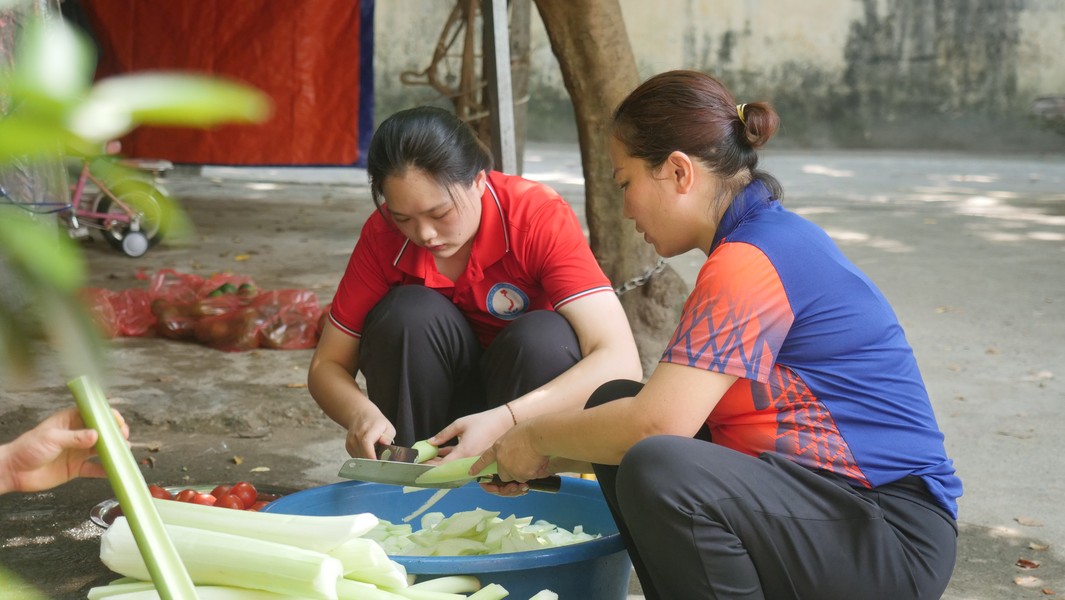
column 355, row 590
column 204, row 593
column 364, row 560
column 214, row 558
column 321, row 534
column 160, row 558
column 492, row 591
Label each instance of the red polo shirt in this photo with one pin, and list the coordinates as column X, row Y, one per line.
column 529, row 253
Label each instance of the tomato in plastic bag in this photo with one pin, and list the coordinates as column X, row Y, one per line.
column 174, row 321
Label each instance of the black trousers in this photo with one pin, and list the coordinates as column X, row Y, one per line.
column 703, row 521
column 425, row 368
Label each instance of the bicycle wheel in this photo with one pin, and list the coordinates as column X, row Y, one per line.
column 141, row 199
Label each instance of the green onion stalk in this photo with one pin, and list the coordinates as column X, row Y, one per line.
column 168, row 573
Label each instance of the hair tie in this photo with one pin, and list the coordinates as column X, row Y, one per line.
column 739, row 113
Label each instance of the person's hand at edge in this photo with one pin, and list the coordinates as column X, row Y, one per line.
column 57, row 450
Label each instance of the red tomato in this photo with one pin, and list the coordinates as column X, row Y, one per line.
column 230, row 501
column 246, row 492
column 220, row 490
column 159, row 492
column 203, row 498
column 186, row 495
column 258, row 505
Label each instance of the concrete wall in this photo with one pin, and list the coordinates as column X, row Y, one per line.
column 842, row 73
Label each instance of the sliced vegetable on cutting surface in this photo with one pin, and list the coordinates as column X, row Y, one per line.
column 475, row 532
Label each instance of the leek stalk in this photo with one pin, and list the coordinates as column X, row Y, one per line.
column 492, row 591
column 356, row 590
column 318, row 533
column 223, row 559
column 205, row 593
column 165, row 567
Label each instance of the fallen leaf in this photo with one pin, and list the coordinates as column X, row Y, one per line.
column 238, row 460
column 166, row 378
column 1021, row 435
column 241, row 257
column 148, row 461
column 1029, row 521
column 1028, row 581
column 945, row 309
column 260, row 469
column 1024, row 563
column 1038, row 547
column 295, row 385
column 991, row 350
column 1047, row 591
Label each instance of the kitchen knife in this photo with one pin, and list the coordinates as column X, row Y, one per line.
column 405, row 473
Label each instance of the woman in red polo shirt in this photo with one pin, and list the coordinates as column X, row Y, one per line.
column 471, row 301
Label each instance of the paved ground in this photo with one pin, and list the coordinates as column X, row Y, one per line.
column 970, row 250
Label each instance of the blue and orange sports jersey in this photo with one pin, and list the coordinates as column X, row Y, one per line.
column 529, row 253
column 827, row 377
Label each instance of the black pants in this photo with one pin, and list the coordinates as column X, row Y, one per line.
column 425, row 368
column 703, row 521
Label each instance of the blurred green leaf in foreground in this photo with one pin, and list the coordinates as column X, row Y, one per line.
column 50, row 111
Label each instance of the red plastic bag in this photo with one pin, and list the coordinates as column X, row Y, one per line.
column 291, row 319
column 226, row 284
column 174, row 321
column 101, row 311
column 235, row 331
column 133, row 312
column 175, row 288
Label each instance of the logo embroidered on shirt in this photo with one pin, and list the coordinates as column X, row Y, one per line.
column 507, row 302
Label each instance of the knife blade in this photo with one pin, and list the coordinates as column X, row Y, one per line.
column 405, row 474
column 395, row 453
column 391, row 472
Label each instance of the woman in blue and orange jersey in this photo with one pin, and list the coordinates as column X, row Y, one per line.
column 785, row 445
column 470, row 302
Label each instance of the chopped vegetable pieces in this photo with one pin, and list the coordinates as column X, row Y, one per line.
column 473, row 532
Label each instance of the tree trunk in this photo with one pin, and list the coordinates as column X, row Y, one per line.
column 592, row 47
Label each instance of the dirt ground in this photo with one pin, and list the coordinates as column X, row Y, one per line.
column 969, row 252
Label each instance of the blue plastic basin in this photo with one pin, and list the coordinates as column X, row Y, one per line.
column 598, row 569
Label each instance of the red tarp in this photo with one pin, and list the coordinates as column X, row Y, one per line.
column 304, row 54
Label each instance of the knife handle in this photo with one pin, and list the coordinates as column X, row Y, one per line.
column 550, row 484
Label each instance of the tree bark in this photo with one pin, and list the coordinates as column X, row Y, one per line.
column 592, row 47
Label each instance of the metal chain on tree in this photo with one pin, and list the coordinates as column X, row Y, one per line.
column 642, row 278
